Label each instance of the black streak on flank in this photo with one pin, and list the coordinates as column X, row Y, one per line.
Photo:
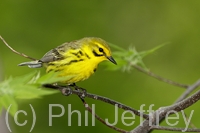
column 95, row 53
column 87, row 55
column 51, row 64
column 78, row 54
column 81, row 60
column 54, row 71
column 58, row 70
column 72, row 61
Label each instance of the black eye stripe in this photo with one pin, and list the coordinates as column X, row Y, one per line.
column 95, row 53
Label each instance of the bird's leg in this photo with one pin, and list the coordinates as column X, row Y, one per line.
column 82, row 90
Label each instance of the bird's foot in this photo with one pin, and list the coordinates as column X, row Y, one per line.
column 83, row 92
column 66, row 91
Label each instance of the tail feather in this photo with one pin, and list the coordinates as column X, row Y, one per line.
column 31, row 64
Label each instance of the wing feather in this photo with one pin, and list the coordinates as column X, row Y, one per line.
column 57, row 53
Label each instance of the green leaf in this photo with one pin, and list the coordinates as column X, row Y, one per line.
column 26, row 87
column 32, row 92
column 5, row 87
column 22, row 79
column 8, row 101
column 52, row 77
column 147, row 52
column 127, row 58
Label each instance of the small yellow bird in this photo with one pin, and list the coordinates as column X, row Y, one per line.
column 79, row 58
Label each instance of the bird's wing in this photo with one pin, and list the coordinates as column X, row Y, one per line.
column 50, row 56
column 57, row 53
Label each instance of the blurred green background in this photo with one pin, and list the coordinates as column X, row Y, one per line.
column 34, row 27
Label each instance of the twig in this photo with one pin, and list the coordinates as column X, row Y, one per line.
column 100, row 119
column 100, row 98
column 188, row 91
column 159, row 77
column 77, row 92
column 94, row 114
column 14, row 51
column 177, row 107
column 120, row 105
column 184, row 95
column 174, row 129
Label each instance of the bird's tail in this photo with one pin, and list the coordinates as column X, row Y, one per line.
column 31, row 64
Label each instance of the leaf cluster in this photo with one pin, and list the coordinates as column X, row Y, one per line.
column 26, row 87
column 126, row 58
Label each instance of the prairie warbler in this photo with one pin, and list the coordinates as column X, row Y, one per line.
column 79, row 58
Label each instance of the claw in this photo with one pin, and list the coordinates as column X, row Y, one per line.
column 82, row 91
column 66, row 91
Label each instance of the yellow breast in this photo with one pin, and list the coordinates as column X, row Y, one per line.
column 80, row 69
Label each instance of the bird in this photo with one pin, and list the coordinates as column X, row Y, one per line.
column 79, row 58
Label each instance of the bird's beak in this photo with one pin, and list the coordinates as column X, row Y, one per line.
column 110, row 58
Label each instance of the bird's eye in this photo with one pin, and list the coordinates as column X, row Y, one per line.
column 100, row 50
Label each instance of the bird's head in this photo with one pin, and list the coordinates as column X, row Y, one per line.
column 97, row 49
